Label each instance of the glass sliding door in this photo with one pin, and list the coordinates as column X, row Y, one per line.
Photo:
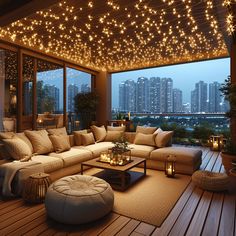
column 77, row 82
column 49, row 95
column 8, row 90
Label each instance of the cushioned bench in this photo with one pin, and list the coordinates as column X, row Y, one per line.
column 188, row 160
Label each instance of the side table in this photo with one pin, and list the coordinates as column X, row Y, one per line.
column 36, row 187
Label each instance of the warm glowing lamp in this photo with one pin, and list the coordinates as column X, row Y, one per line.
column 216, row 142
column 170, row 166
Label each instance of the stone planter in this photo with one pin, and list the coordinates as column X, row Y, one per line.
column 227, row 161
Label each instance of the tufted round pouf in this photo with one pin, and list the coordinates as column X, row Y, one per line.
column 79, row 199
column 211, row 181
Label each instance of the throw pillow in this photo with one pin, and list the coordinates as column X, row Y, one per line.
column 6, row 135
column 99, row 132
column 163, row 138
column 57, row 131
column 24, row 138
column 60, row 142
column 18, row 148
column 87, row 139
column 145, row 139
column 113, row 135
column 77, row 136
column 40, row 141
column 116, row 128
column 145, row 129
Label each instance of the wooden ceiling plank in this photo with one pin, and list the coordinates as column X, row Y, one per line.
column 22, row 10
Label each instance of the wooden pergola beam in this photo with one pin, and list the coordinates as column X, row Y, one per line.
column 11, row 11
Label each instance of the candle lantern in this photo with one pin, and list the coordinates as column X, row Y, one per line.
column 217, row 142
column 170, row 166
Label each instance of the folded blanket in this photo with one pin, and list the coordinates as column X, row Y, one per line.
column 9, row 170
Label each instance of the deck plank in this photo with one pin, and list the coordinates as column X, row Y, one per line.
column 213, row 218
column 39, row 219
column 200, row 215
column 23, row 221
column 129, row 228
column 144, row 229
column 228, row 216
column 181, row 225
column 116, row 226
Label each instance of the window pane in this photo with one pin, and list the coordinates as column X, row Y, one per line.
column 49, row 92
column 77, row 82
column 8, row 90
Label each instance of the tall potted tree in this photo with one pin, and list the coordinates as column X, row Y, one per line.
column 85, row 107
column 229, row 153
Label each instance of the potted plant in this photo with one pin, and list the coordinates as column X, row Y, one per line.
column 85, row 107
column 229, row 152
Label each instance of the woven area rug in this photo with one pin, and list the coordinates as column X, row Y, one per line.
column 152, row 198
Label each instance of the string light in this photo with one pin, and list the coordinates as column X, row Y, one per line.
column 230, row 18
column 114, row 36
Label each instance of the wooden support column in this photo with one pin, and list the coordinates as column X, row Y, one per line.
column 64, row 96
column 34, row 97
column 233, row 81
column 19, row 91
column 103, row 88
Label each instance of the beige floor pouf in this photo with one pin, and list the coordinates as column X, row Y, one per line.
column 79, row 199
column 211, row 181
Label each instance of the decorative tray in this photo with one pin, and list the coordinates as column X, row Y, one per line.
column 123, row 164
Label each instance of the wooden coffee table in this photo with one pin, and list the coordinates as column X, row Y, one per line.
column 119, row 177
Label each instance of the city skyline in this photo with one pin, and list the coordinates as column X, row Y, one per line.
column 184, row 76
column 157, row 95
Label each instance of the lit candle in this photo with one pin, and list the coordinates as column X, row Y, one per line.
column 129, row 115
column 215, row 145
column 169, row 171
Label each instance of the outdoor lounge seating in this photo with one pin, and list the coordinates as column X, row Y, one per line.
column 68, row 161
column 79, row 199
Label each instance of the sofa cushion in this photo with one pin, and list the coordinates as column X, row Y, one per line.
column 97, row 148
column 116, row 128
column 145, row 129
column 17, row 148
column 77, row 136
column 141, row 150
column 87, row 139
column 113, row 136
column 74, row 156
column 49, row 163
column 24, row 138
column 57, row 131
column 163, row 138
column 99, row 132
column 187, row 156
column 145, row 139
column 40, row 141
column 60, row 142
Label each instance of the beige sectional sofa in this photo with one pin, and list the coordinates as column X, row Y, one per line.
column 68, row 162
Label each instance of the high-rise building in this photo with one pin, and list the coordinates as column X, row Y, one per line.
column 215, row 97
column 142, row 94
column 177, row 101
column 199, row 98
column 85, row 88
column 72, row 91
column 53, row 92
column 154, row 94
column 127, row 96
column 166, row 95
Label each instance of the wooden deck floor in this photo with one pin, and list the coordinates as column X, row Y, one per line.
column 197, row 212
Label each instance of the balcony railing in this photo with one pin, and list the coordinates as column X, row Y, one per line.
column 189, row 128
